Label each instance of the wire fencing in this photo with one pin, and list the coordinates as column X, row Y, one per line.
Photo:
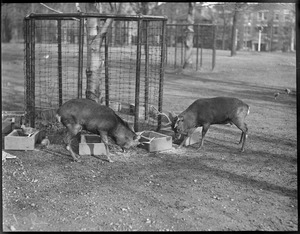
column 204, row 46
column 131, row 82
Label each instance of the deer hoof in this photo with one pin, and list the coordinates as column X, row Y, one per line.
column 76, row 159
column 199, row 148
column 110, row 160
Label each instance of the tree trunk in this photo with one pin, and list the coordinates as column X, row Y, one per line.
column 189, row 36
column 224, row 29
column 144, row 8
column 233, row 33
column 6, row 29
column 95, row 60
column 223, row 36
column 292, row 39
column 223, row 39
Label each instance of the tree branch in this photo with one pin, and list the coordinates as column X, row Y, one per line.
column 51, row 9
column 77, row 7
column 111, row 6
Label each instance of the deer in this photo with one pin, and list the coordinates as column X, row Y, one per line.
column 205, row 112
column 84, row 114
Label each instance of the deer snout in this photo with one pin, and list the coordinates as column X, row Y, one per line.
column 179, row 126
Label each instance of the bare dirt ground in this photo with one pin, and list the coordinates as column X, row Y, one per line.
column 216, row 188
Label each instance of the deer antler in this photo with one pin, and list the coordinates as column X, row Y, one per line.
column 148, row 142
column 160, row 113
column 139, row 134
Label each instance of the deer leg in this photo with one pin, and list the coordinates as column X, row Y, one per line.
column 73, row 130
column 183, row 141
column 242, row 138
column 204, row 131
column 245, row 135
column 104, row 138
column 243, row 127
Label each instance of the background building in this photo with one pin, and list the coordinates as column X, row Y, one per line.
column 275, row 21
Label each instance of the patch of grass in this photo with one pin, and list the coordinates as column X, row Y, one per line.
column 267, row 70
column 175, row 190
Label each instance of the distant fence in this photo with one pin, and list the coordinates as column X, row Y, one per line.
column 204, row 53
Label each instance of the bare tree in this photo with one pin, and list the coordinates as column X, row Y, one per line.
column 144, row 8
column 189, row 41
column 6, row 22
column 224, row 28
column 238, row 7
column 225, row 8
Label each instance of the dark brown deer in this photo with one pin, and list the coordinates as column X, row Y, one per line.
column 208, row 111
column 85, row 114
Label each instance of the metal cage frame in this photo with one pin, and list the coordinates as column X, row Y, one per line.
column 30, row 60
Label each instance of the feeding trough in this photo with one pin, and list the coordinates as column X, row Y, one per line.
column 90, row 144
column 17, row 140
column 154, row 141
column 194, row 136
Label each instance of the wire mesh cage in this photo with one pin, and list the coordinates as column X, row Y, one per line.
column 204, row 44
column 131, row 81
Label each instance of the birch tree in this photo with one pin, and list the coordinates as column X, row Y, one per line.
column 96, row 32
column 144, row 8
column 189, row 36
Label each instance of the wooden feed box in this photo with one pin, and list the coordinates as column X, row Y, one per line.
column 17, row 141
column 194, row 136
column 91, row 144
column 158, row 141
